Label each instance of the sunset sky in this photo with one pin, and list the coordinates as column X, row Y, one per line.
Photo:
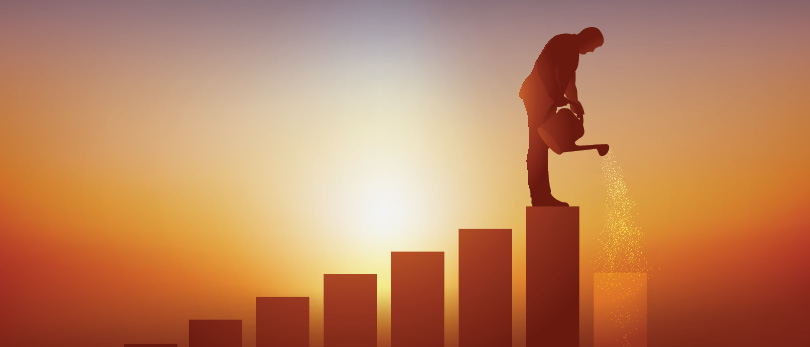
column 172, row 160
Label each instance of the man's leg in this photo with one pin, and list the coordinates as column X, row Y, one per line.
column 537, row 160
column 537, row 165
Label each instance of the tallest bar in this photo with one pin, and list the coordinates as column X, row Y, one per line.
column 552, row 276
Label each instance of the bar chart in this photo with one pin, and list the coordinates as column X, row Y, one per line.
column 215, row 333
column 620, row 309
column 350, row 310
column 485, row 287
column 282, row 322
column 418, row 290
column 417, row 299
column 552, row 276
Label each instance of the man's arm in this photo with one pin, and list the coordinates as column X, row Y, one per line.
column 571, row 90
column 560, row 86
column 573, row 97
column 565, row 75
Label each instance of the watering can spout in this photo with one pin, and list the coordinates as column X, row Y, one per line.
column 602, row 149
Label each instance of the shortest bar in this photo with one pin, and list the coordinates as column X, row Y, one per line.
column 282, row 322
column 215, row 333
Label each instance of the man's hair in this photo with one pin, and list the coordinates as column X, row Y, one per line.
column 591, row 33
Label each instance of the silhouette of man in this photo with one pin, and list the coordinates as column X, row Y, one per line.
column 552, row 84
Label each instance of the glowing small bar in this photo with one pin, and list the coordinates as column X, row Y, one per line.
column 620, row 309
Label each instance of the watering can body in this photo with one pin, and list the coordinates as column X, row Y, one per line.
column 561, row 131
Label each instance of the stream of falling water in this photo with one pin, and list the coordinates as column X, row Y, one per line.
column 620, row 240
column 620, row 292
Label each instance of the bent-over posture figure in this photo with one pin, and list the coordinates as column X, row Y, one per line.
column 552, row 84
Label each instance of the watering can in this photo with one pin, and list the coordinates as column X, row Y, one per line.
column 562, row 130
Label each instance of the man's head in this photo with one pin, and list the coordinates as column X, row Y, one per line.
column 589, row 39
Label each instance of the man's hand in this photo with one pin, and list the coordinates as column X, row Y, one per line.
column 576, row 106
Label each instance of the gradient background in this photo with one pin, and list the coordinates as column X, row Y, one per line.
column 168, row 160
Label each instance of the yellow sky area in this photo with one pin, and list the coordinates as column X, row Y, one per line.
column 395, row 161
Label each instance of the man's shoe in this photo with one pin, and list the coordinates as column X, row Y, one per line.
column 548, row 201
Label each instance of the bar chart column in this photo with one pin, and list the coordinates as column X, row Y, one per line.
column 485, row 287
column 282, row 322
column 620, row 309
column 417, row 299
column 350, row 310
column 215, row 333
column 552, row 276
column 150, row 345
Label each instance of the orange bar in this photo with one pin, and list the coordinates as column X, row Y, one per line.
column 417, row 299
column 215, row 333
column 485, row 287
column 620, row 309
column 350, row 310
column 150, row 345
column 552, row 276
column 282, row 322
